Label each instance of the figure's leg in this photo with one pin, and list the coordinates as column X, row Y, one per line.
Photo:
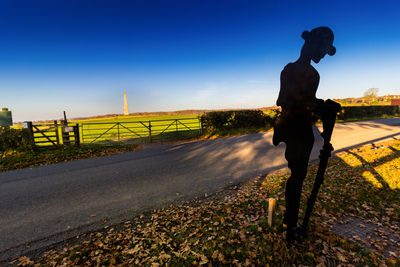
column 293, row 192
column 297, row 154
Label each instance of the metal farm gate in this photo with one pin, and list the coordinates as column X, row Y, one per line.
column 139, row 131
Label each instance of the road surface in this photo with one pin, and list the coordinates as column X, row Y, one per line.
column 39, row 205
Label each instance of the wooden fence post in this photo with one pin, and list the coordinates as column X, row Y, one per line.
column 64, row 134
column 150, row 138
column 76, row 134
column 176, row 128
column 27, row 125
column 118, row 130
column 57, row 134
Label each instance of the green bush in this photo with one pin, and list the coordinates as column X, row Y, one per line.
column 236, row 119
column 13, row 139
column 272, row 115
column 359, row 112
column 248, row 118
column 216, row 120
column 244, row 119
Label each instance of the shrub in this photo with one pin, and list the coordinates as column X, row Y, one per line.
column 360, row 112
column 216, row 120
column 237, row 119
column 240, row 119
column 272, row 115
column 248, row 118
column 13, row 139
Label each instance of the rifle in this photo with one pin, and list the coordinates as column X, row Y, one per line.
column 329, row 111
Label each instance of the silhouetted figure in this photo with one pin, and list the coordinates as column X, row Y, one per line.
column 299, row 83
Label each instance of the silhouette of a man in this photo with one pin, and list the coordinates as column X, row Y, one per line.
column 299, row 83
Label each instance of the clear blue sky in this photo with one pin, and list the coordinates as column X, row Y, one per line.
column 80, row 56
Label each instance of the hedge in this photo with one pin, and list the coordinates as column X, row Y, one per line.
column 359, row 112
column 13, row 139
column 237, row 119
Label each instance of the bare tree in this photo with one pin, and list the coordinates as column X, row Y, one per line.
column 371, row 94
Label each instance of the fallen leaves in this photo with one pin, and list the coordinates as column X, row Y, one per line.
column 24, row 261
column 232, row 228
column 18, row 159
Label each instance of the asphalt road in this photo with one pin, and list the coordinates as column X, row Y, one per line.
column 39, row 205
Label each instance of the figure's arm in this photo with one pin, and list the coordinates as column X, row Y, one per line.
column 310, row 100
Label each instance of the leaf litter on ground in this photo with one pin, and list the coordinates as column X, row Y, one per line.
column 18, row 159
column 232, row 228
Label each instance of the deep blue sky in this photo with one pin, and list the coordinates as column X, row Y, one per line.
column 80, row 56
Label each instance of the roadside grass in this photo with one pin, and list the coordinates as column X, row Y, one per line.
column 231, row 228
column 18, row 159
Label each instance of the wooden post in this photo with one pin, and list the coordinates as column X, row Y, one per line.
column 76, row 134
column 118, row 130
column 27, row 125
column 64, row 134
column 271, row 210
column 150, row 138
column 176, row 128
column 57, row 134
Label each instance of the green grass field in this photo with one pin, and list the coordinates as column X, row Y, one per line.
column 133, row 129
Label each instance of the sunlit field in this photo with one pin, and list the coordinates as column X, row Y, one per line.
column 138, row 129
column 132, row 129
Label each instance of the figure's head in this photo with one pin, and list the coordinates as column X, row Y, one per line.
column 318, row 43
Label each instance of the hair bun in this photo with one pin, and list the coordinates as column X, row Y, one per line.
column 305, row 35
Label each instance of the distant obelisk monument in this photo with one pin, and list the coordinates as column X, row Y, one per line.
column 126, row 112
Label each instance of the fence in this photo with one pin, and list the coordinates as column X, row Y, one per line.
column 139, row 131
column 52, row 134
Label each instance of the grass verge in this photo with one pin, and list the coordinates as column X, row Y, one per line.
column 232, row 228
column 18, row 159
